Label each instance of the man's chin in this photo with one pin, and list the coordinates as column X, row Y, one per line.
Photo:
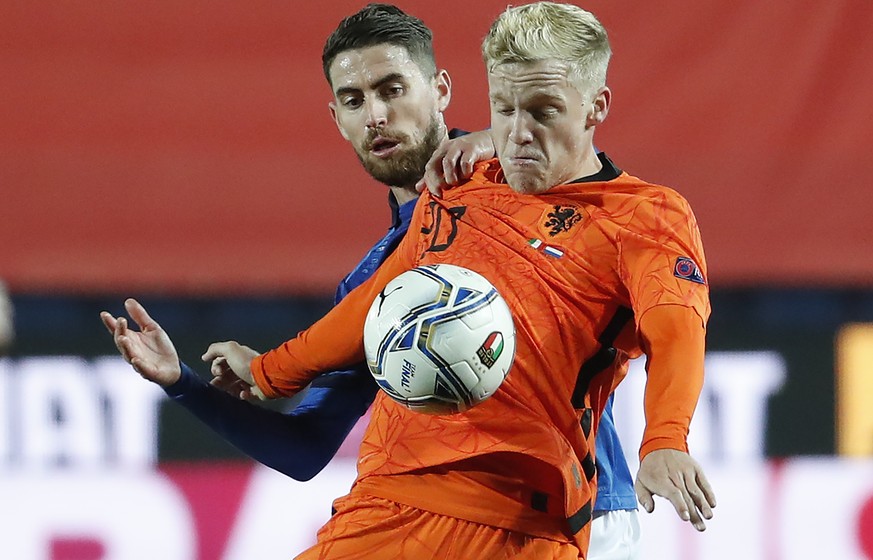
column 526, row 183
column 392, row 173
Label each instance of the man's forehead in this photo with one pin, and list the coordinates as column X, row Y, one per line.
column 361, row 67
column 546, row 78
column 541, row 72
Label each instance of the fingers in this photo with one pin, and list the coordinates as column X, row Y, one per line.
column 252, row 393
column 108, row 321
column 223, row 382
column 235, row 358
column 466, row 164
column 219, row 367
column 459, row 162
column 690, row 500
column 706, row 488
column 216, row 350
column 699, row 501
column 236, row 387
column 683, row 503
column 702, row 496
column 138, row 313
column 697, row 494
column 454, row 160
column 450, row 167
column 118, row 326
column 126, row 349
column 432, row 179
column 689, row 509
column 676, row 496
column 229, row 384
column 644, row 496
column 676, row 477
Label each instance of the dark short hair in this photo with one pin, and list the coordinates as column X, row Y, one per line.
column 379, row 24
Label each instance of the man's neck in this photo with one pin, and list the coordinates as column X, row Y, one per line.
column 589, row 165
column 404, row 194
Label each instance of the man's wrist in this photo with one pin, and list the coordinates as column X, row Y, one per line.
column 188, row 381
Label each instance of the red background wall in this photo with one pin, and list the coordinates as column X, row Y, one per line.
column 186, row 147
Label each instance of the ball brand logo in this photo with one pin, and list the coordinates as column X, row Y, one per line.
column 383, row 295
column 406, row 373
column 491, row 349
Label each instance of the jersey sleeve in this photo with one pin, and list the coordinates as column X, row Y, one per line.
column 661, row 256
column 674, row 341
column 298, row 443
column 663, row 268
column 335, row 341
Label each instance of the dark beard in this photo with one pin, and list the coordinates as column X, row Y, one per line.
column 405, row 169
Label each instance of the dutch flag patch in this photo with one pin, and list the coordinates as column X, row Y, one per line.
column 686, row 269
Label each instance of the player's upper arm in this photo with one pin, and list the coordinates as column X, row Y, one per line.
column 661, row 255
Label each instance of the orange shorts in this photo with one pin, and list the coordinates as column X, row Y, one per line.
column 367, row 527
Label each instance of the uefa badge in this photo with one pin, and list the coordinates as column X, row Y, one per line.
column 686, row 269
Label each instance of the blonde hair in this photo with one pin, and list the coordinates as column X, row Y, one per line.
column 550, row 31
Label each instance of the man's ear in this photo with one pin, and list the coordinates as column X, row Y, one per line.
column 444, row 89
column 332, row 107
column 600, row 107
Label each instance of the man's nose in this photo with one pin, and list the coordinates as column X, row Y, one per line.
column 377, row 114
column 520, row 133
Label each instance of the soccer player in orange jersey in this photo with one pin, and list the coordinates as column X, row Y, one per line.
column 597, row 266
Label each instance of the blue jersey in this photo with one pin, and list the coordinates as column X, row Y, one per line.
column 615, row 486
column 299, row 443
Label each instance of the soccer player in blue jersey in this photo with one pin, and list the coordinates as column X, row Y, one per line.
column 391, row 113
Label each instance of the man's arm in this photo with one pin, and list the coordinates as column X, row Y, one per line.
column 663, row 268
column 334, row 342
column 673, row 338
column 298, row 443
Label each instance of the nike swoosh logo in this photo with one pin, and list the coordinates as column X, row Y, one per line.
column 383, row 295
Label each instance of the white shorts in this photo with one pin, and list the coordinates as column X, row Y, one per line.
column 615, row 535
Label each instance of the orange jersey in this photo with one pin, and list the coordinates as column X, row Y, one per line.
column 567, row 262
column 378, row 529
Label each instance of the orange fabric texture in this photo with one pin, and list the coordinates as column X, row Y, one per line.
column 373, row 528
column 565, row 261
column 674, row 342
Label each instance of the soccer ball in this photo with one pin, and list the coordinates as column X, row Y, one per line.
column 439, row 339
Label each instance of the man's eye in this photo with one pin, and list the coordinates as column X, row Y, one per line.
column 394, row 91
column 505, row 111
column 351, row 102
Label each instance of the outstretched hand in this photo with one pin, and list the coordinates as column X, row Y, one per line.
column 150, row 351
column 231, row 369
column 676, row 476
column 453, row 161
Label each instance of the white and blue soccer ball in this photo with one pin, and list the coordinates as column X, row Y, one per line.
column 439, row 339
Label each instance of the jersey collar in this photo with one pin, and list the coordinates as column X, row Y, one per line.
column 608, row 171
column 400, row 213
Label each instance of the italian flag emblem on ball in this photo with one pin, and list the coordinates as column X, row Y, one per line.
column 491, row 349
